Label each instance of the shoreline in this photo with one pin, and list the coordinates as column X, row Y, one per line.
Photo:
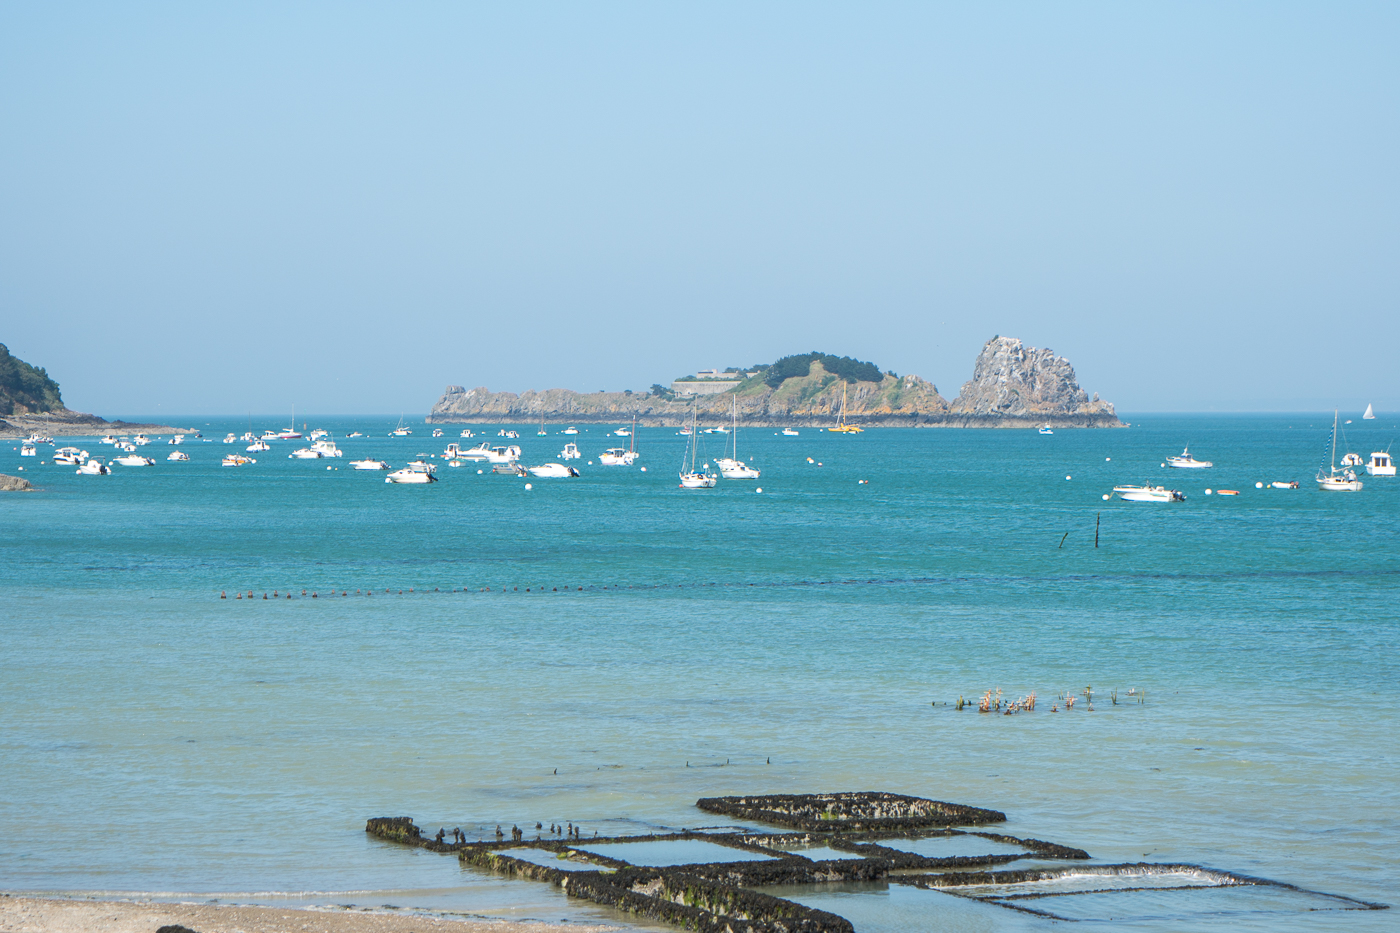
column 25, row 913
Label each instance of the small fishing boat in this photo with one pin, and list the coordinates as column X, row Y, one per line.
column 790, row 432
column 258, row 446
column 616, row 456
column 135, row 460
column 466, row 432
column 27, row 449
column 237, row 460
column 1380, row 465
column 437, row 432
column 95, row 466
column 177, row 439
column 369, row 465
column 422, row 466
column 622, row 432
column 410, row 476
column 481, row 451
column 552, row 470
column 1289, row 484
column 570, row 452
column 354, row 434
column 69, row 455
column 108, row 439
column 230, row 438
column 141, row 440
column 501, row 454
column 571, row 430
column 1184, row 461
column 1351, row 460
column 508, row 469
column 1046, row 429
column 304, row 453
column 178, row 455
column 1149, row 493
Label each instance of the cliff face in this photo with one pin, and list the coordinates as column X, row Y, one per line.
column 1011, row 387
column 1012, row 380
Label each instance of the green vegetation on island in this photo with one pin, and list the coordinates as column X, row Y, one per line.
column 26, row 389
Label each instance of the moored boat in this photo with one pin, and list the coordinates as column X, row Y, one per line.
column 94, row 466
column 1333, row 479
column 411, row 476
column 1184, row 461
column 369, row 465
column 1149, row 493
column 237, row 460
column 552, row 470
column 178, row 455
column 69, row 455
column 135, row 460
column 570, row 452
column 1380, row 465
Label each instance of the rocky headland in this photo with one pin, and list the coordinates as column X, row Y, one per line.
column 30, row 403
column 1012, row 386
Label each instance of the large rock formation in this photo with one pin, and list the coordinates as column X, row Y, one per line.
column 1011, row 387
column 1013, row 382
column 14, row 484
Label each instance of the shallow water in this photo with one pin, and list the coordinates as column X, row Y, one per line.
column 159, row 739
column 664, row 852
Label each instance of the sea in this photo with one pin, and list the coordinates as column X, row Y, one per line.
column 604, row 650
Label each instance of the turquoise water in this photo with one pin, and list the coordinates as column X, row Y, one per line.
column 158, row 739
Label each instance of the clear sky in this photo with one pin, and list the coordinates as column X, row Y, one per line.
column 215, row 208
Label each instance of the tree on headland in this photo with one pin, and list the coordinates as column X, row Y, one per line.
column 843, row 367
column 26, row 387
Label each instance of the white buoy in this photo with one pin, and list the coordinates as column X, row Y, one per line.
column 1207, row 492
column 479, row 472
column 1164, row 466
column 528, row 486
column 1258, row 485
column 759, row 489
column 1068, row 477
column 1106, row 497
column 328, row 468
column 1107, row 459
column 644, row 469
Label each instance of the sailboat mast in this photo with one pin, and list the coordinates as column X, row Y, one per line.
column 1334, row 440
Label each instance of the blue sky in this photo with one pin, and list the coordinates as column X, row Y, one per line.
column 217, row 208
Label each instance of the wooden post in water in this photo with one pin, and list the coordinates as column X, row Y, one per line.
column 1097, row 516
column 1062, row 540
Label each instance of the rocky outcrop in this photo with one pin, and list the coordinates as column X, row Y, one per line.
column 1012, row 386
column 15, row 484
column 1020, row 383
column 30, row 403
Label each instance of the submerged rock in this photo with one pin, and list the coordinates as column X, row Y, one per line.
column 15, row 484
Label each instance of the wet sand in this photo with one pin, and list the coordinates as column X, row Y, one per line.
column 54, row 915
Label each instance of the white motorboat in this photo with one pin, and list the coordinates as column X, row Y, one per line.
column 790, row 432
column 317, row 434
column 40, row 439
column 480, row 452
column 178, row 455
column 1380, row 465
column 303, row 453
column 513, row 435
column 27, row 449
column 258, row 446
column 177, row 439
column 1370, row 414
column 354, row 434
column 326, row 448
column 570, row 452
column 1046, row 429
column 733, row 467
column 1184, row 461
column 141, row 440
column 248, row 437
column 69, row 455
column 369, row 465
column 410, row 475
column 422, row 466
column 1333, row 479
column 1149, row 493
column 622, row 432
column 691, row 478
column 107, row 439
column 237, row 460
column 501, row 454
column 552, row 470
column 466, row 432
column 135, row 460
column 437, row 432
column 1351, row 460
column 270, row 435
column 457, row 463
column 571, row 430
column 230, row 438
column 452, row 451
column 509, row 469
column 95, row 466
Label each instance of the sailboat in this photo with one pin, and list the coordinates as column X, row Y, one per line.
column 733, row 467
column 1370, row 413
column 542, row 432
column 291, row 434
column 400, row 431
column 841, row 426
column 616, row 456
column 1333, row 479
column 692, row 479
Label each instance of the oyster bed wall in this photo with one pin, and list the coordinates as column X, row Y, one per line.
column 849, row 812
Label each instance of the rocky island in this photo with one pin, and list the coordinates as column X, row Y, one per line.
column 30, row 403
column 1012, row 386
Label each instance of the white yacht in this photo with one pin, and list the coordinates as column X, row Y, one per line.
column 1333, row 479
column 1380, row 465
column 422, row 466
column 177, row 439
column 303, row 453
column 1149, row 493
column 40, row 439
column 135, row 460
column 690, row 478
column 622, row 432
column 480, row 452
column 410, row 475
column 108, row 439
column 94, row 466
column 556, row 470
column 69, row 455
column 178, row 455
column 230, row 438
column 400, row 431
column 571, row 430
column 1184, row 461
column 1370, row 414
column 326, row 448
column 570, row 452
column 317, row 434
column 733, row 467
column 453, row 451
column 437, row 432
column 500, row 454
column 270, row 435
column 258, row 446
column 369, row 464
column 141, row 440
column 28, row 450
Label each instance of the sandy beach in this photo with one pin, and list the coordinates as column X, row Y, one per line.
column 55, row 915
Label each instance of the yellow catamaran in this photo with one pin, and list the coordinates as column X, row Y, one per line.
column 841, row 426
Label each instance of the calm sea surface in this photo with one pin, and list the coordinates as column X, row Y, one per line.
column 157, row 739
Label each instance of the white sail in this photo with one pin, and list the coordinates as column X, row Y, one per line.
column 1370, row 415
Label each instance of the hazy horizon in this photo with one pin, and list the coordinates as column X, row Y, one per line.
column 348, row 207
